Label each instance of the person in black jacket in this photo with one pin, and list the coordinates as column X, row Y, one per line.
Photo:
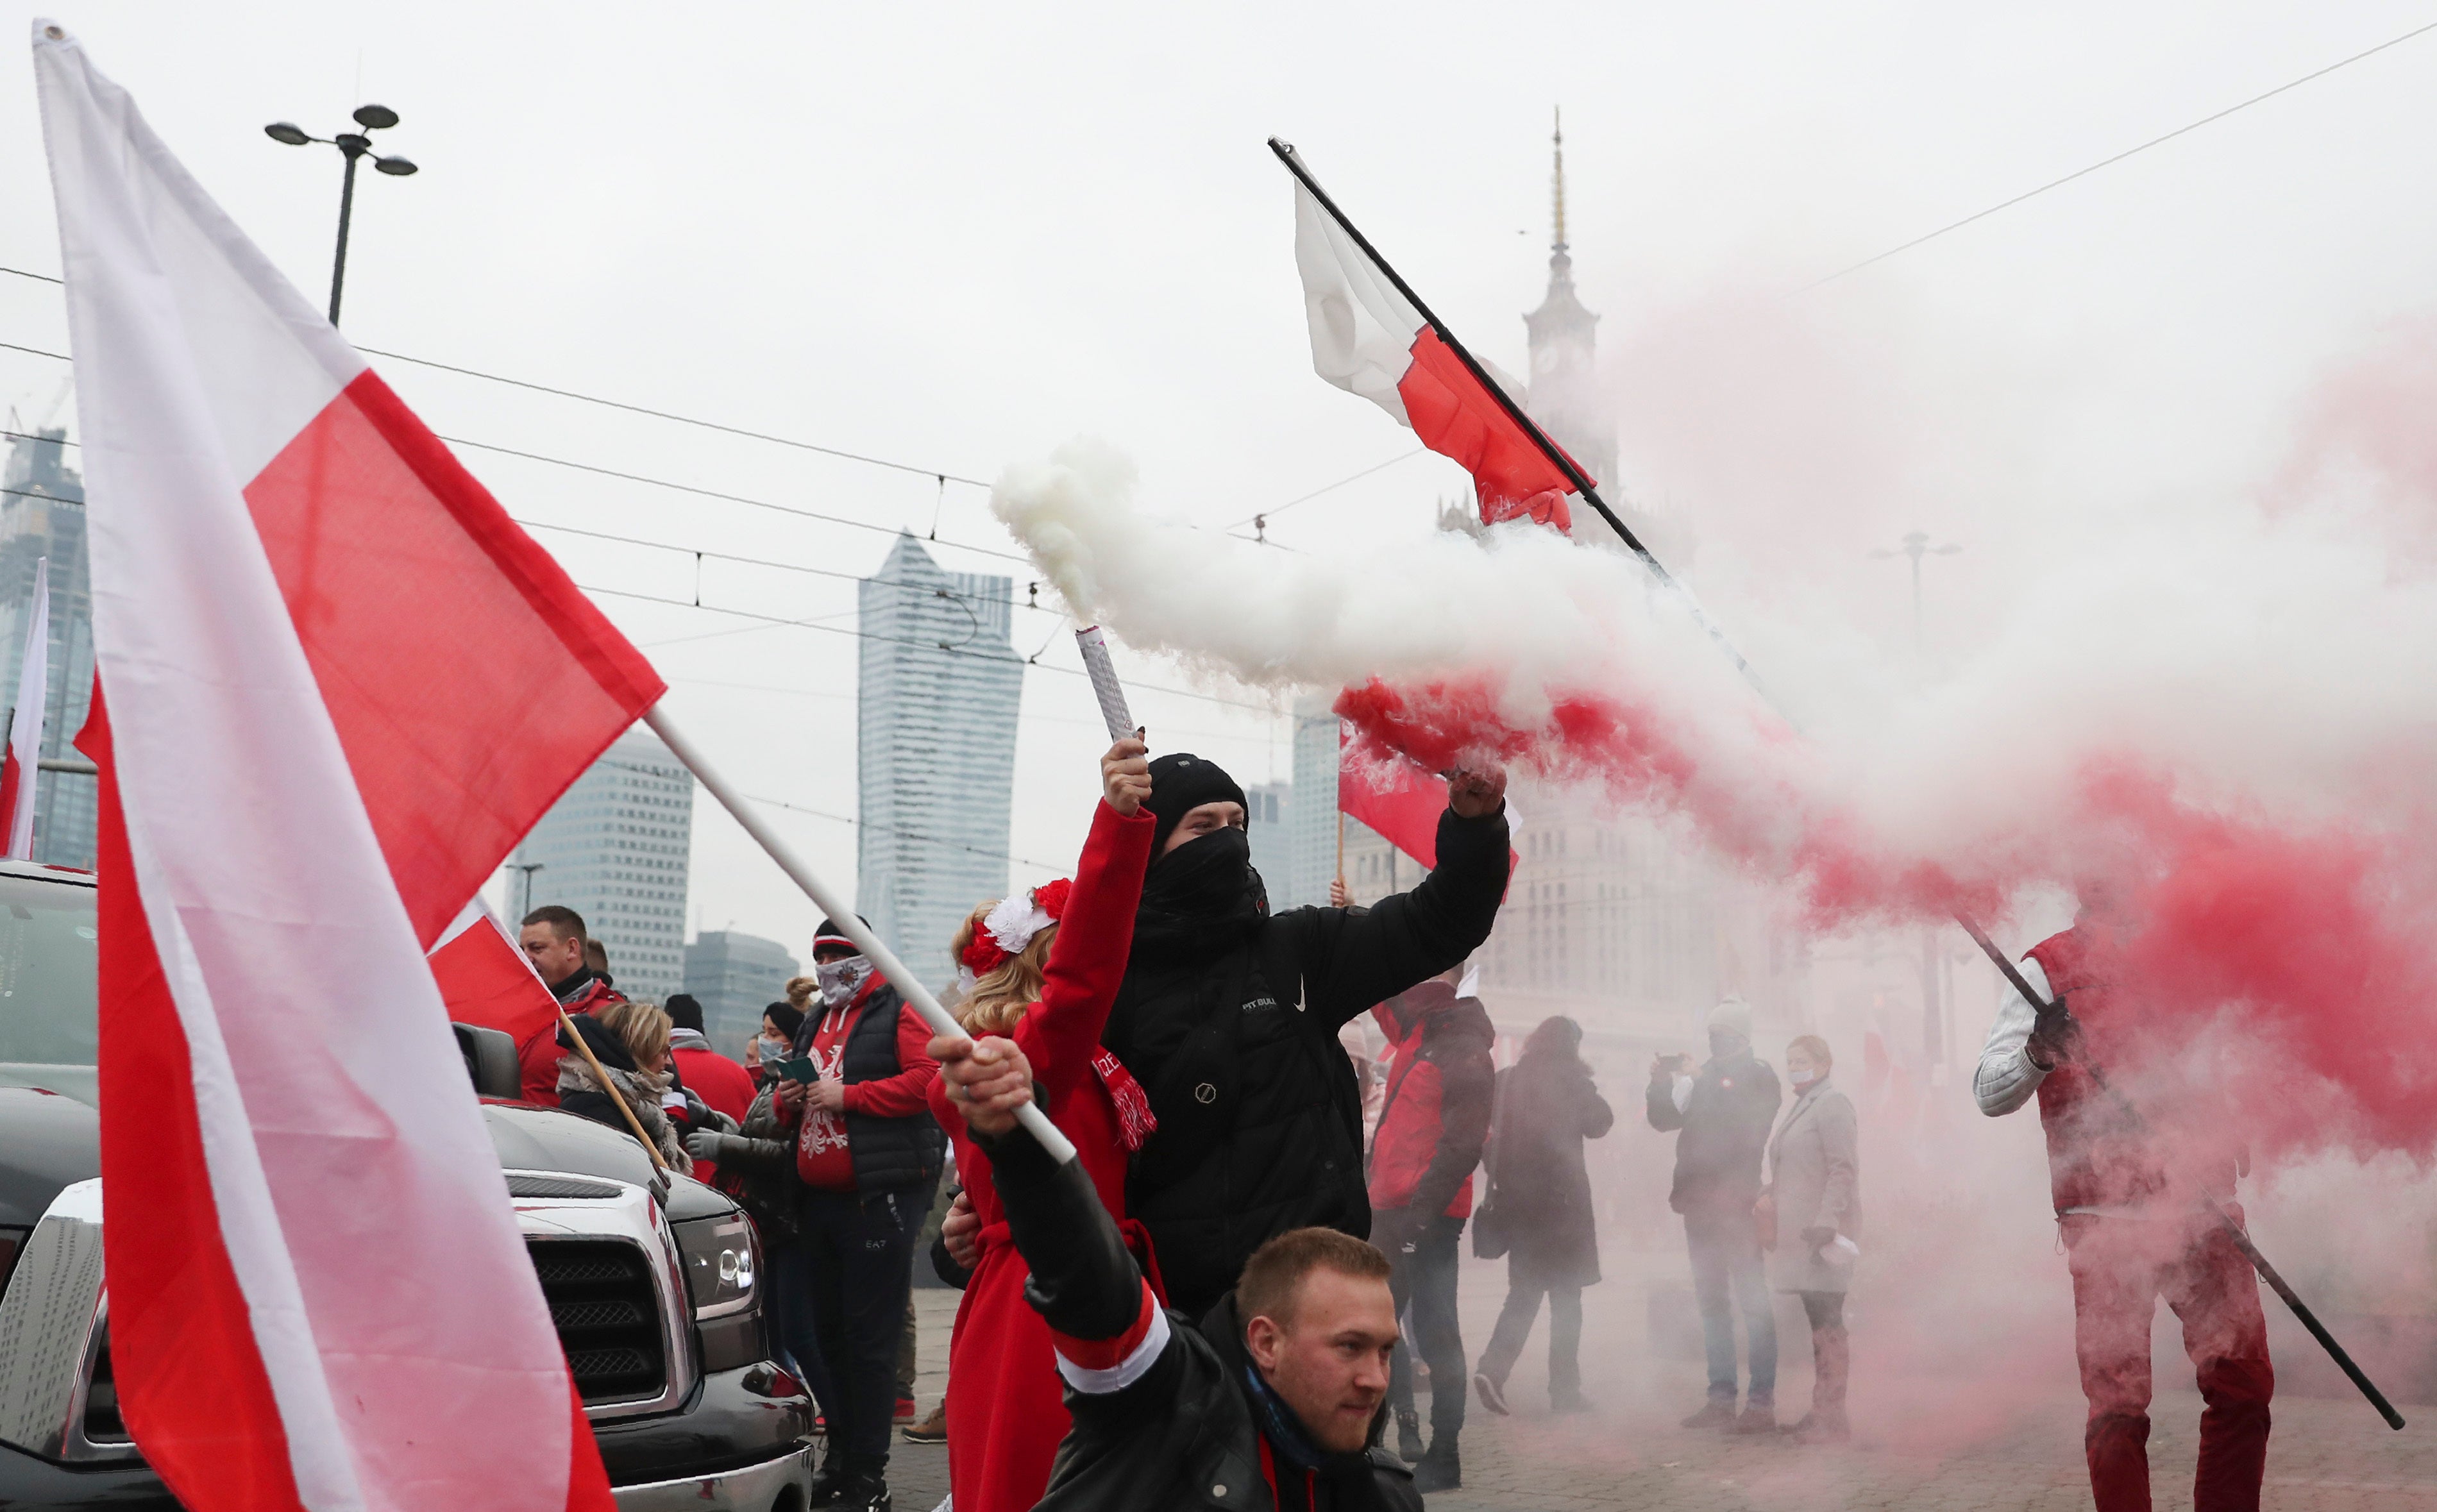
column 1229, row 1017
column 1434, row 1117
column 1541, row 1197
column 1275, row 1398
column 1725, row 1113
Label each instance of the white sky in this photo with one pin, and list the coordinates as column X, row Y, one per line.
column 953, row 235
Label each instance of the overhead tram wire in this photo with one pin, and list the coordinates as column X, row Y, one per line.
column 2131, row 152
column 620, row 404
column 1170, row 730
column 1324, row 488
column 866, row 635
column 772, row 621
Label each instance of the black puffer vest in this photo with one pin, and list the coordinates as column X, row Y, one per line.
column 889, row 1153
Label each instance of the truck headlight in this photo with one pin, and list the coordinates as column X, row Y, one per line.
column 723, row 1264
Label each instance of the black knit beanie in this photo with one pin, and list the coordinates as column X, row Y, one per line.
column 787, row 1016
column 1181, row 783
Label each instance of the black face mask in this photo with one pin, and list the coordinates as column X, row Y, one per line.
column 1200, row 900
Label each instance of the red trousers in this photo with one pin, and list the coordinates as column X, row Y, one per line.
column 2121, row 1267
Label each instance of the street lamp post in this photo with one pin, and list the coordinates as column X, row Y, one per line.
column 1932, row 1012
column 528, row 868
column 351, row 145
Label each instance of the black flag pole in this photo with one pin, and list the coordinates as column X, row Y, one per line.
column 1583, row 484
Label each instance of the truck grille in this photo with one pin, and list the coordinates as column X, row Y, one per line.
column 608, row 1316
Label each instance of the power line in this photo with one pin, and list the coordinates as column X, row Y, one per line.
column 867, row 635
column 768, row 620
column 2111, row 162
column 753, row 561
column 1046, row 719
column 927, row 839
column 1377, row 466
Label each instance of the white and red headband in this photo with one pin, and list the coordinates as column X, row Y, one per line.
column 1008, row 928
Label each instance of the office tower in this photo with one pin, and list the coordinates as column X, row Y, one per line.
column 615, row 849
column 32, row 528
column 734, row 977
column 936, row 706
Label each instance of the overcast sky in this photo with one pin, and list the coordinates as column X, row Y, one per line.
column 951, row 236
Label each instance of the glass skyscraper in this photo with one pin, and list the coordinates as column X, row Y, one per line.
column 939, row 683
column 32, row 528
column 615, row 849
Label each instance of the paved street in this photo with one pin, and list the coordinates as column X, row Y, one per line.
column 2021, row 1457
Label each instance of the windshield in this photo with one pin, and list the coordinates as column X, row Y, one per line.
column 46, row 971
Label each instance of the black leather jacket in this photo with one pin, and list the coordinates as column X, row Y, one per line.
column 1183, row 1435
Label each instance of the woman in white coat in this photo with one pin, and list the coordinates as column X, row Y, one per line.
column 1814, row 1183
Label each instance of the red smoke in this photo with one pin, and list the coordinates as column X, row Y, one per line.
column 2289, row 963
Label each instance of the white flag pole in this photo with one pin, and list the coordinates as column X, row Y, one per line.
column 882, row 960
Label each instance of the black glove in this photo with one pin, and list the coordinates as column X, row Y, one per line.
column 1819, row 1236
column 2055, row 1037
column 1393, row 1231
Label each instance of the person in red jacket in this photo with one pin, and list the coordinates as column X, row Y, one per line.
column 554, row 941
column 2132, row 1189
column 1433, row 1119
column 720, row 1082
column 1045, row 969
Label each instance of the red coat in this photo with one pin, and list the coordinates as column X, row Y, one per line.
column 1434, row 1116
column 538, row 1058
column 719, row 1081
column 2100, row 1155
column 1005, row 1410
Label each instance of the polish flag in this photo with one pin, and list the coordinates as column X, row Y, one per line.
column 18, row 779
column 486, row 978
column 1400, row 802
column 1396, row 800
column 1369, row 338
column 336, row 683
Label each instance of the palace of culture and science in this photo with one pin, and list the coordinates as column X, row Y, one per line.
column 1618, row 919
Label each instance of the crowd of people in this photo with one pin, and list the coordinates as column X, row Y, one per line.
column 1253, row 1259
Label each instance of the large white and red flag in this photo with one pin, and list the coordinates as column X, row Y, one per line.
column 1369, row 338
column 486, row 979
column 21, row 769
column 339, row 683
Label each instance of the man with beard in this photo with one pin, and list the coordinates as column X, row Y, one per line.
column 1229, row 1019
column 2131, row 1192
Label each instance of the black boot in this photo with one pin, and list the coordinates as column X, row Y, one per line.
column 868, row 1491
column 1439, row 1469
column 1408, row 1436
column 830, row 1480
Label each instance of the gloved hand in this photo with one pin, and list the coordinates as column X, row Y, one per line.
column 1392, row 1231
column 2055, row 1037
column 1819, row 1236
column 710, row 1143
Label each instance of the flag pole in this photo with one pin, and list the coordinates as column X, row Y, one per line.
column 1557, row 454
column 1574, row 474
column 884, row 960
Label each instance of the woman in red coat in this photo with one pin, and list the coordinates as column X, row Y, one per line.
column 1046, row 966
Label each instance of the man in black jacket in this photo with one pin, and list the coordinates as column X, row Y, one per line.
column 1229, row 1017
column 1725, row 1114
column 1275, row 1398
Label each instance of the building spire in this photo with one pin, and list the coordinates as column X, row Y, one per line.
column 1557, row 181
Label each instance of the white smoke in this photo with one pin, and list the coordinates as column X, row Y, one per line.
column 2265, row 663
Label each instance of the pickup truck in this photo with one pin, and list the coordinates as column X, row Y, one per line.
column 654, row 1283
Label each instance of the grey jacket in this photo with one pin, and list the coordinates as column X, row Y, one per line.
column 1816, row 1172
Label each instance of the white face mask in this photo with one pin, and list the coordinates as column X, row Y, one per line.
column 774, row 1051
column 1803, row 1079
column 841, row 979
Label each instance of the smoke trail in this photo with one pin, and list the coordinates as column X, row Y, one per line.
column 2232, row 724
